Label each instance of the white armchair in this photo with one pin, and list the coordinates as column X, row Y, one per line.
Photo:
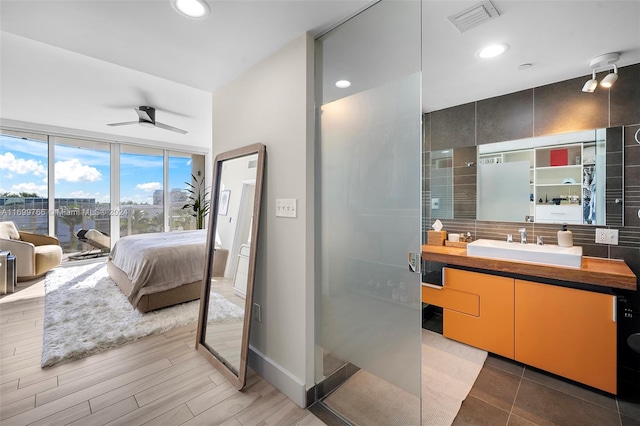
column 35, row 254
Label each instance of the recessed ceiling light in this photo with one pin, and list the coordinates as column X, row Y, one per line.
column 524, row 66
column 196, row 9
column 343, row 84
column 493, row 50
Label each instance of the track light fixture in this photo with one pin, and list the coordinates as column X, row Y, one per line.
column 602, row 61
column 591, row 85
column 610, row 78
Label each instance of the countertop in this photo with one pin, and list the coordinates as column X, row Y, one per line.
column 602, row 272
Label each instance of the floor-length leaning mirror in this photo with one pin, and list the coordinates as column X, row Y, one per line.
column 227, row 291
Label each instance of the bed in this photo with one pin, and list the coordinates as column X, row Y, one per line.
column 160, row 269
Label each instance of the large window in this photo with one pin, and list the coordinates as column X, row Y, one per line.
column 23, row 181
column 82, row 173
column 58, row 186
column 184, row 170
column 141, row 190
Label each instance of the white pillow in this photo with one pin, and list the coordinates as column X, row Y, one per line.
column 8, row 231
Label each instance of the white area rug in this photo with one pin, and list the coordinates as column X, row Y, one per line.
column 449, row 370
column 86, row 313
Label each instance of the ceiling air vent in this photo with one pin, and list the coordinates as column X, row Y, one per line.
column 474, row 16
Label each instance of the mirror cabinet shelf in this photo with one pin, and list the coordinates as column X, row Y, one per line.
column 558, row 186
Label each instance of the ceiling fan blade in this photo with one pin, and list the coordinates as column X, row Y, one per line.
column 125, row 123
column 173, row 129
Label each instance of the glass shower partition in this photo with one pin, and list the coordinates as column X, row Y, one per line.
column 368, row 318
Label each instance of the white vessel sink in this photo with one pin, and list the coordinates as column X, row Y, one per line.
column 547, row 254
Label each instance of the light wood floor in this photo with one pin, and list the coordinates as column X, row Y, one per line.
column 159, row 380
column 226, row 337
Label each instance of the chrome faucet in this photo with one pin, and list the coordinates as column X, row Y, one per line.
column 509, row 238
column 539, row 240
column 523, row 235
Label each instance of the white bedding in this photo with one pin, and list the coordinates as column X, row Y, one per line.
column 160, row 261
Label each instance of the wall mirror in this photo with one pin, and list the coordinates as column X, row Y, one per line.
column 229, row 274
column 574, row 178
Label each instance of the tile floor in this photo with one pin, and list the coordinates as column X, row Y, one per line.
column 510, row 393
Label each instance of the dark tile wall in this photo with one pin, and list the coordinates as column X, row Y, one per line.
column 453, row 127
column 426, row 173
column 505, row 118
column 631, row 234
column 555, row 108
column 563, row 107
column 614, row 170
column 625, row 97
column 464, row 182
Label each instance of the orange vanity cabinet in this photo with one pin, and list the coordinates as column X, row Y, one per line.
column 568, row 332
column 477, row 309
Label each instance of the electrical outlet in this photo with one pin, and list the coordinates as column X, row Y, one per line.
column 606, row 236
column 287, row 208
column 256, row 313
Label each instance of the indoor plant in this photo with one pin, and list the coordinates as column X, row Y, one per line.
column 198, row 204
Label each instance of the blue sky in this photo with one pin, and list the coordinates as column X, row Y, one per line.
column 84, row 173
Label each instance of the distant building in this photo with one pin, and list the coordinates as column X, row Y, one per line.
column 178, row 196
column 158, row 197
column 31, row 214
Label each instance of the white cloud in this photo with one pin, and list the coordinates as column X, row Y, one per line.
column 30, row 187
column 149, row 186
column 74, row 171
column 81, row 194
column 8, row 161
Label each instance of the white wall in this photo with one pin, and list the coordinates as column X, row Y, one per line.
column 77, row 95
column 272, row 104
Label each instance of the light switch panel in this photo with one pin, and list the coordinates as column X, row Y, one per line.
column 287, row 207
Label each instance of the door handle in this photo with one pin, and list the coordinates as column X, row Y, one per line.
column 415, row 262
column 434, row 286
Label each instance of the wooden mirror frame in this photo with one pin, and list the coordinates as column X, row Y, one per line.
column 213, row 357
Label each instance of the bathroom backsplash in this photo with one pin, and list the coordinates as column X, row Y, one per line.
column 620, row 107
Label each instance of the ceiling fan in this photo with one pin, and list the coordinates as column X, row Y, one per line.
column 147, row 118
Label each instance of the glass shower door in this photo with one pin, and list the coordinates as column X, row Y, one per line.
column 368, row 324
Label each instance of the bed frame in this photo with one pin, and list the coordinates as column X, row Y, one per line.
column 184, row 293
column 150, row 302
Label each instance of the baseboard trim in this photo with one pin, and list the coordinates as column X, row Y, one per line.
column 278, row 376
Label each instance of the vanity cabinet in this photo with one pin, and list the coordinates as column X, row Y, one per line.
column 568, row 332
column 477, row 309
column 565, row 331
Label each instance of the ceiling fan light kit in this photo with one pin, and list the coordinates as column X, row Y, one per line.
column 147, row 118
column 603, row 61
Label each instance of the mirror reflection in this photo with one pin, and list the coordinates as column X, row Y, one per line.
column 223, row 332
column 573, row 178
